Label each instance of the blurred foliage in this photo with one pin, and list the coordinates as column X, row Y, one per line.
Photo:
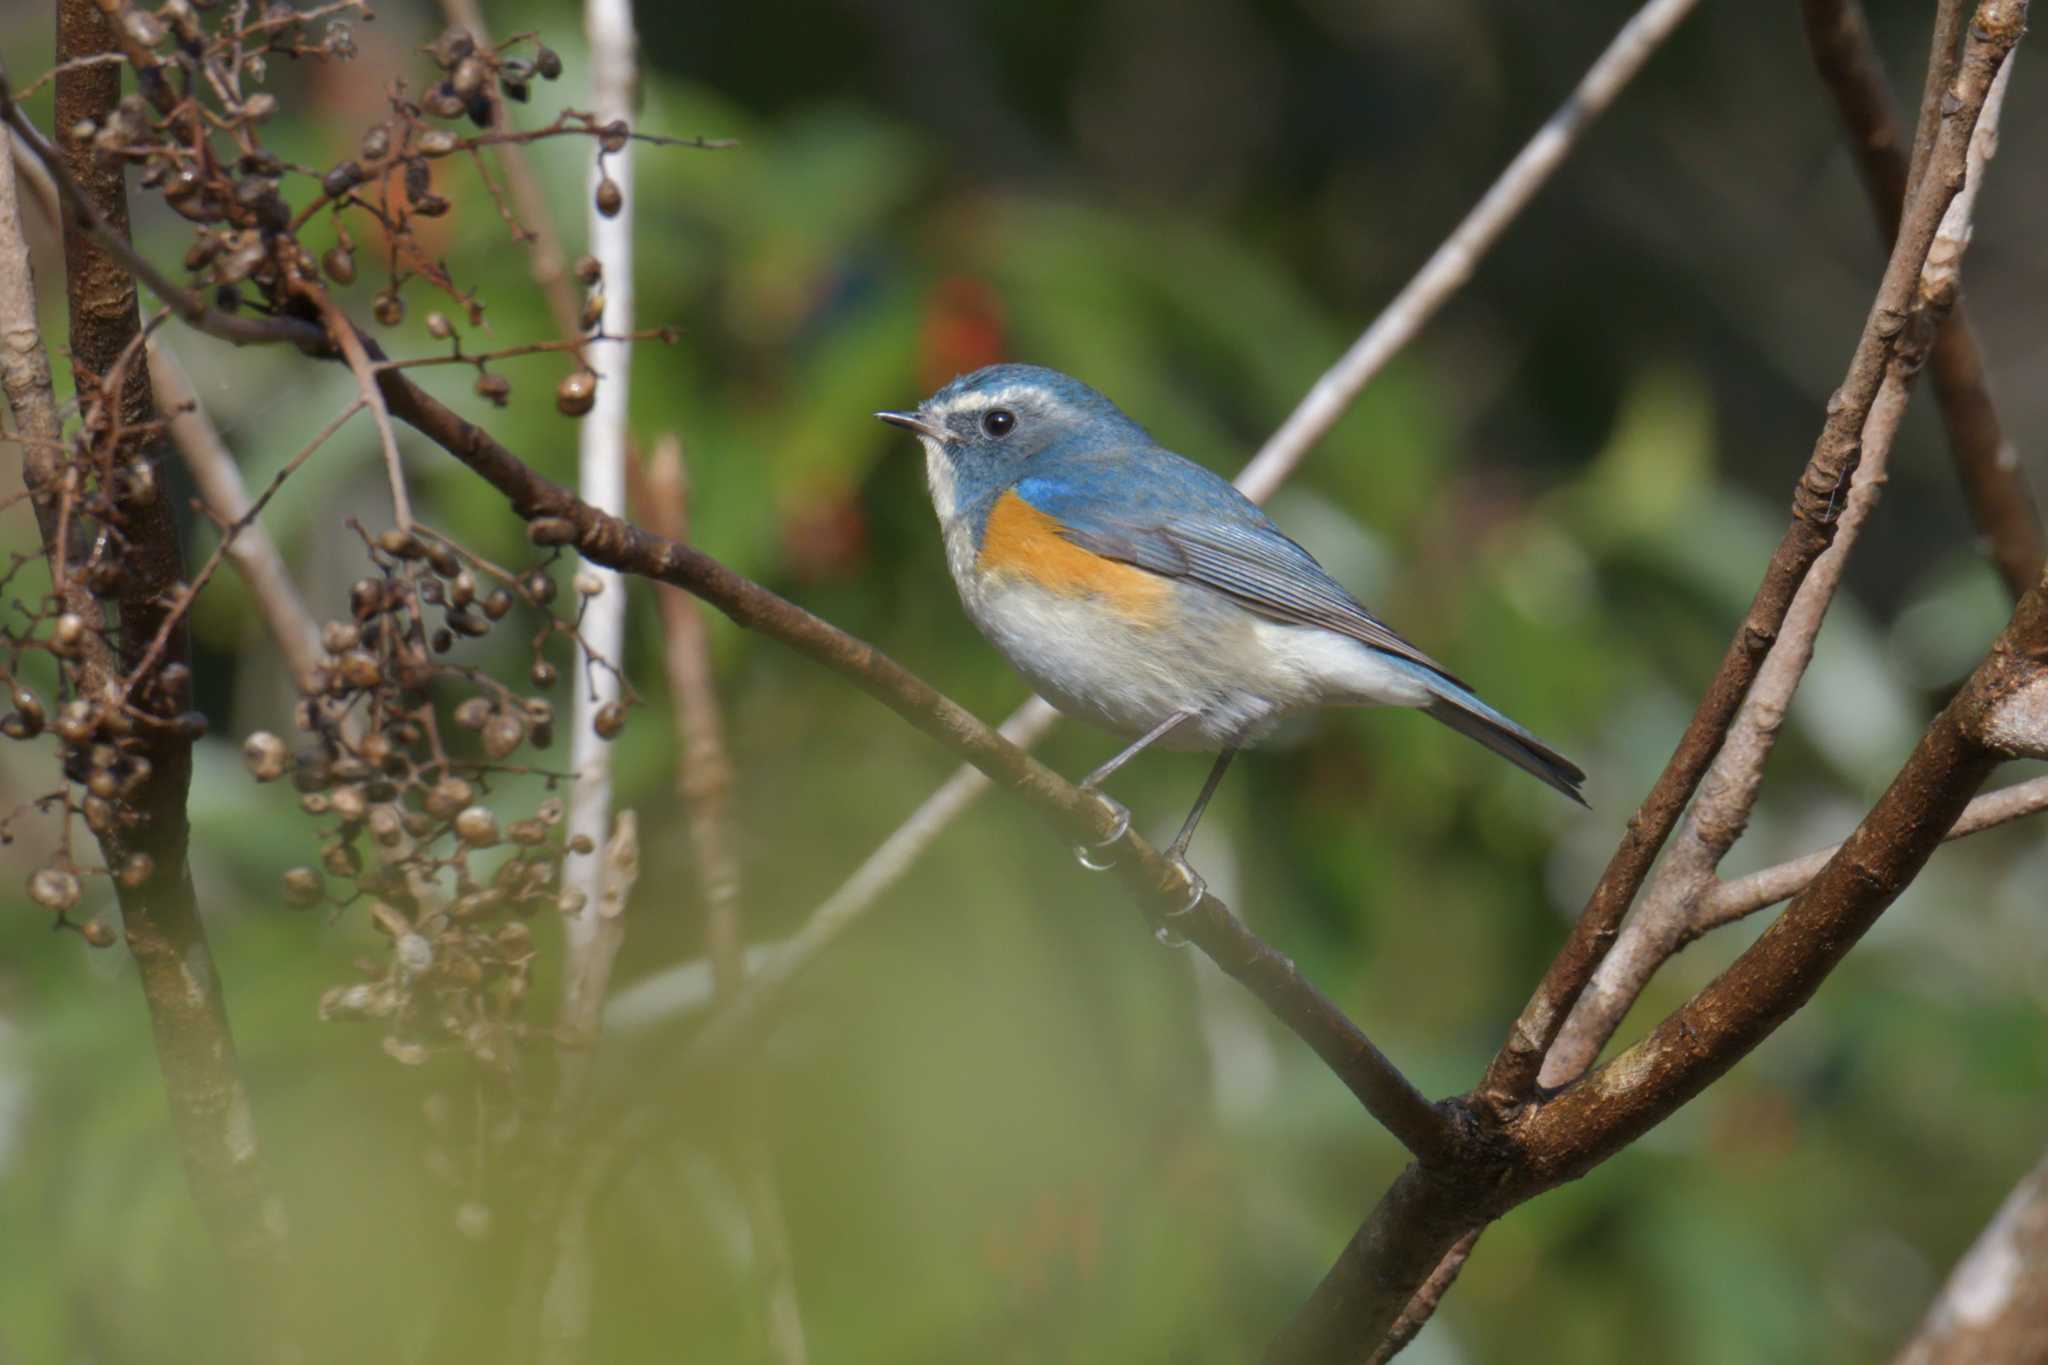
column 1009, row 1127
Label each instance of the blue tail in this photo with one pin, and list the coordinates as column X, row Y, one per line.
column 1473, row 718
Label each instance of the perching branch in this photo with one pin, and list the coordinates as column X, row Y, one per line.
column 1447, row 270
column 1994, row 482
column 560, row 517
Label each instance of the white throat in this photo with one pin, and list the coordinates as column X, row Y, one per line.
column 938, row 472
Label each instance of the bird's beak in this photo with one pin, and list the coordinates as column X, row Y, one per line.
column 910, row 421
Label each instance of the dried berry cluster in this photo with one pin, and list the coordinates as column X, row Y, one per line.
column 400, row 774
column 195, row 135
column 103, row 723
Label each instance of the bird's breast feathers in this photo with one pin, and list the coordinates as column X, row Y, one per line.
column 1021, row 543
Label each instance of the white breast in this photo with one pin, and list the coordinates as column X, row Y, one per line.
column 1240, row 672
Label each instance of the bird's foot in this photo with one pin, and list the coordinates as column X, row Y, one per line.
column 1087, row 854
column 1197, row 888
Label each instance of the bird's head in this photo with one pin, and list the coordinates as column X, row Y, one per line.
column 980, row 430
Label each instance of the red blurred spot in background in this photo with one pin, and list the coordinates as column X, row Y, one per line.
column 824, row 534
column 962, row 330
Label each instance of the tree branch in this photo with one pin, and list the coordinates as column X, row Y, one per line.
column 1453, row 262
column 1729, row 901
column 1995, row 1304
column 1994, row 482
column 1525, row 1142
column 1512, row 1077
column 208, row 1102
column 1669, row 916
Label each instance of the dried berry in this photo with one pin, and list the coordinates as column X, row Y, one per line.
column 303, row 887
column 265, row 756
column 504, row 734
column 54, row 888
column 477, row 827
column 342, row 178
column 576, row 394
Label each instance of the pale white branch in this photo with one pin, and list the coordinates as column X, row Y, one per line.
column 253, row 553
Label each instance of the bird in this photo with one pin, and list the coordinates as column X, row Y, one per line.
column 1136, row 589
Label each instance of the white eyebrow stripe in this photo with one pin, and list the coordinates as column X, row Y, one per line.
column 1012, row 393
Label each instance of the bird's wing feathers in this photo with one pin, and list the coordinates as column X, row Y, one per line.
column 1203, row 530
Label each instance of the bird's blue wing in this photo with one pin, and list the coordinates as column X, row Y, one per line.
column 1167, row 515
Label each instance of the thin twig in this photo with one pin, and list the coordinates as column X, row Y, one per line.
column 289, row 608
column 1730, row 900
column 1453, row 262
column 254, row 554
column 1424, row 1305
column 545, row 259
column 343, row 334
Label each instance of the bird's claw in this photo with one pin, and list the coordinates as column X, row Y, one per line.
column 1121, row 814
column 1197, row 888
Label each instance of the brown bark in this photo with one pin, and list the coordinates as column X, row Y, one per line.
column 1994, row 483
column 209, row 1107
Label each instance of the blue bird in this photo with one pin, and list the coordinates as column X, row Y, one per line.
column 1137, row 590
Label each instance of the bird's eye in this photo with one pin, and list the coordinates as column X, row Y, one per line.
column 998, row 422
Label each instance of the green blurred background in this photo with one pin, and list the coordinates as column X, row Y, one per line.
column 1007, row 1125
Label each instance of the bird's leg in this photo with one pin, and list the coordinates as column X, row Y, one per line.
column 1177, row 851
column 1092, row 784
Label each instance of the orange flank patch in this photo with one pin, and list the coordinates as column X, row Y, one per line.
column 1024, row 543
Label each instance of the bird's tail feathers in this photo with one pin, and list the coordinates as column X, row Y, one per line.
column 1473, row 718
